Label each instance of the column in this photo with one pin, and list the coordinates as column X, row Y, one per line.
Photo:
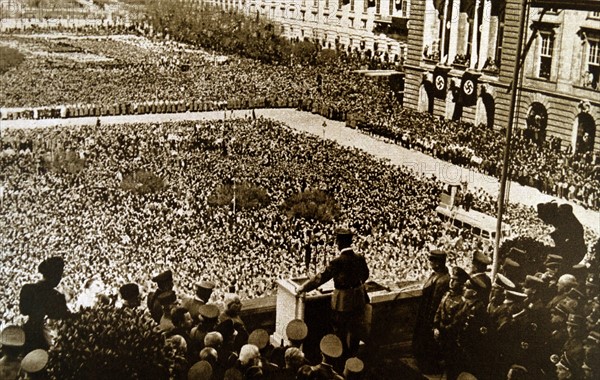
column 485, row 34
column 493, row 38
column 474, row 46
column 463, row 34
column 453, row 30
column 444, row 22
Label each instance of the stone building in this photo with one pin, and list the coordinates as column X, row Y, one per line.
column 460, row 60
column 378, row 27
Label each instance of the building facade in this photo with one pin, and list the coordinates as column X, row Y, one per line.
column 377, row 26
column 461, row 55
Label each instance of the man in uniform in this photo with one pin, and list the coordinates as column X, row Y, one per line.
column 445, row 323
column 164, row 282
column 331, row 349
column 12, row 340
column 348, row 302
column 425, row 348
column 480, row 264
column 473, row 325
column 204, row 290
column 41, row 300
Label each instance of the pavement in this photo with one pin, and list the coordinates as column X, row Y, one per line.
column 337, row 131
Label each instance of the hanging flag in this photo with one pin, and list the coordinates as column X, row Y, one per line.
column 468, row 89
column 440, row 83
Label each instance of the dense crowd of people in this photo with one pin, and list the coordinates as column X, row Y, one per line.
column 170, row 76
column 63, row 195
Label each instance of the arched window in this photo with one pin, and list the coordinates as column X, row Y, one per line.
column 537, row 121
column 586, row 133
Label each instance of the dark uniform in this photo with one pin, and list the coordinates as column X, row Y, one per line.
column 165, row 284
column 446, row 323
column 425, row 348
column 41, row 300
column 349, row 272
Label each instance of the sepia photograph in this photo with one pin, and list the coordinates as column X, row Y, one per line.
column 299, row 189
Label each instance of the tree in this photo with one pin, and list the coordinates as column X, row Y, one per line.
column 315, row 205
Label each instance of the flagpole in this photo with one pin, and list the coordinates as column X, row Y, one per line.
column 509, row 127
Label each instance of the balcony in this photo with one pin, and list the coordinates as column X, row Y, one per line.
column 392, row 26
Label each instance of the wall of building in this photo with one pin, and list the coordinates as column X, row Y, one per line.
column 564, row 93
column 329, row 21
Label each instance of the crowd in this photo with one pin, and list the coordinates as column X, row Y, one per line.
column 62, row 195
column 153, row 76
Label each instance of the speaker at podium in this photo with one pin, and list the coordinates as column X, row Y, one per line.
column 314, row 309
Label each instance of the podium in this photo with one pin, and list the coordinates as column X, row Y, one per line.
column 315, row 310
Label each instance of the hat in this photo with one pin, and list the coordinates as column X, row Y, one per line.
column 575, row 320
column 213, row 339
column 167, row 298
column 259, row 338
column 516, row 296
column 554, row 259
column 129, row 291
column 205, row 285
column 592, row 280
column 593, row 337
column 437, row 254
column 12, row 336
column 504, row 282
column 200, row 371
column 481, row 258
column 248, row 352
column 331, row 346
column 352, row 368
column 35, row 361
column 233, row 374
column 508, row 262
column 343, row 232
column 475, row 284
column 533, row 282
column 567, row 279
column 466, row 376
column 296, row 330
column 52, row 267
column 208, row 311
column 459, row 275
column 166, row 276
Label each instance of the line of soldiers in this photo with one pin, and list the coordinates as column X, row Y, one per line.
column 546, row 326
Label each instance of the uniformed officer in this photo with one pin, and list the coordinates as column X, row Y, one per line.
column 41, row 300
column 425, row 348
column 472, row 334
column 296, row 331
column 446, row 328
column 480, row 264
column 204, row 290
column 331, row 349
column 164, row 282
column 353, row 369
column 349, row 272
column 12, row 340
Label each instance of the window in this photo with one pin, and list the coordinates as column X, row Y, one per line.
column 351, row 5
column 547, row 43
column 595, row 14
column 377, row 6
column 593, row 64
